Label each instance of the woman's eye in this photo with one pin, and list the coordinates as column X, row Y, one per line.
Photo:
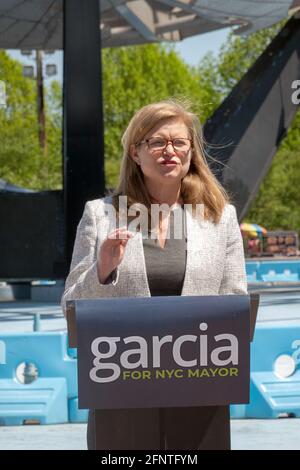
column 179, row 142
column 157, row 143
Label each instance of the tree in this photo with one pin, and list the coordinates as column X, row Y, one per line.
column 278, row 201
column 51, row 170
column 21, row 160
column 132, row 77
column 136, row 76
column 19, row 149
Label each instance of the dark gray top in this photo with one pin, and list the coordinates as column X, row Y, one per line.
column 166, row 266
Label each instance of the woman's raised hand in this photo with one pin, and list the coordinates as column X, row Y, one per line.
column 112, row 251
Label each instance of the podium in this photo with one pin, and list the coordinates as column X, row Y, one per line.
column 138, row 356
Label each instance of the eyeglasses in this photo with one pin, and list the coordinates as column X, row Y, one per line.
column 155, row 144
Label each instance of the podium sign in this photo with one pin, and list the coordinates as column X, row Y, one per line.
column 160, row 352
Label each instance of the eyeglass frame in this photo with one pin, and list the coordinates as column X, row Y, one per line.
column 146, row 141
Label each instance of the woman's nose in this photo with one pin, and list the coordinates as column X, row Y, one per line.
column 169, row 148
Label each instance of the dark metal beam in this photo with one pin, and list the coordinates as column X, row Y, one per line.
column 251, row 122
column 83, row 141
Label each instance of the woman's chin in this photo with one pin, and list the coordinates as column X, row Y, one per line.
column 169, row 177
column 169, row 171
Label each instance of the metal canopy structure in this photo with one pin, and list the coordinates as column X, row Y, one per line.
column 38, row 24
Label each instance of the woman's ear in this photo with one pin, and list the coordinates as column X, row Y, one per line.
column 133, row 154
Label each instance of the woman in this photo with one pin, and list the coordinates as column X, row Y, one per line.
column 163, row 163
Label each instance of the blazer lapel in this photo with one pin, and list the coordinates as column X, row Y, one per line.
column 196, row 233
column 133, row 267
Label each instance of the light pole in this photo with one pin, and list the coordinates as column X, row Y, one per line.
column 28, row 71
column 40, row 100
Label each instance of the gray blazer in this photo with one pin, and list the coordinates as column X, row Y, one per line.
column 215, row 261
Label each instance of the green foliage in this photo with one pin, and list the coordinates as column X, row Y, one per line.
column 51, row 166
column 239, row 53
column 136, row 76
column 19, row 149
column 22, row 161
column 277, row 204
column 132, row 77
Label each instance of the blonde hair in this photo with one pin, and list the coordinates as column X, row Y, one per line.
column 199, row 186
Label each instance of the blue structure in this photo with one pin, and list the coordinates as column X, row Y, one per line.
column 273, row 271
column 52, row 397
column 270, row 395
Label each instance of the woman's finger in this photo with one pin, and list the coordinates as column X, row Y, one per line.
column 120, row 235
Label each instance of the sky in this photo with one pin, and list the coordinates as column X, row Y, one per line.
column 191, row 50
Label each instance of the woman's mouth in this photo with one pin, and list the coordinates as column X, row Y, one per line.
column 169, row 162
